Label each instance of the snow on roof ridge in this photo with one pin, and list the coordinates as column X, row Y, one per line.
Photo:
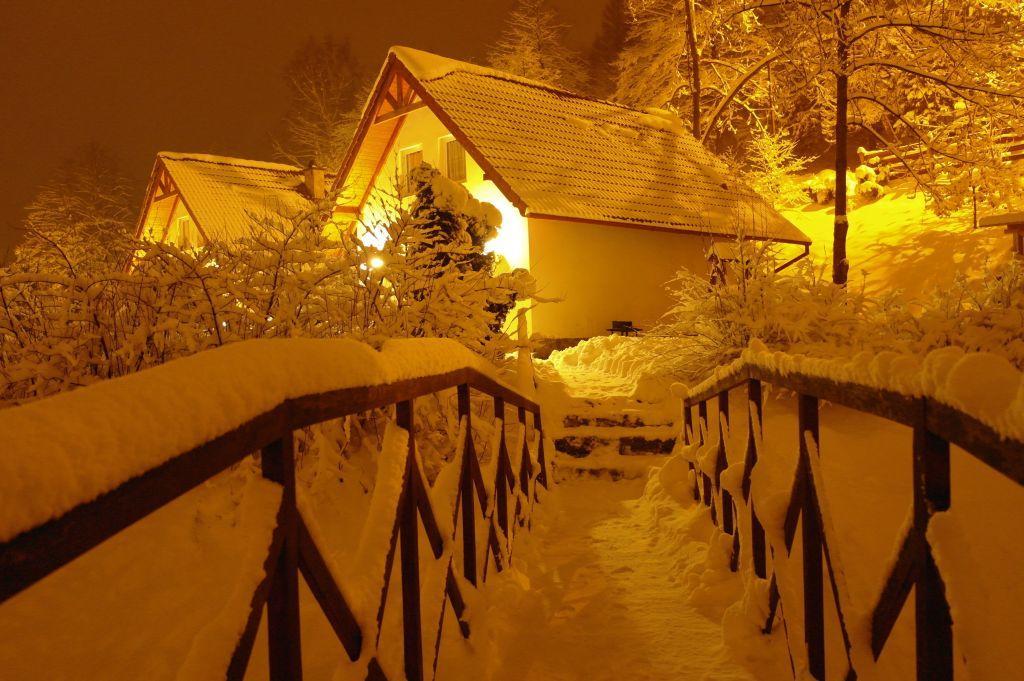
column 430, row 66
column 229, row 161
column 70, row 448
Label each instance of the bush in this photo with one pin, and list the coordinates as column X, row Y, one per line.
column 799, row 310
column 771, row 164
column 983, row 314
column 289, row 277
column 796, row 310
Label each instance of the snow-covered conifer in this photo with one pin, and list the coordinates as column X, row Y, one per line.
column 324, row 82
column 533, row 45
column 80, row 221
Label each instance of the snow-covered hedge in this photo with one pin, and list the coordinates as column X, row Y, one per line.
column 417, row 271
column 800, row 311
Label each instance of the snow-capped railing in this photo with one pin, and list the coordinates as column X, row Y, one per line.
column 297, row 383
column 975, row 402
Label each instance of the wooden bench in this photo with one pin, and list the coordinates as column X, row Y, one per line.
column 624, row 328
column 1014, row 223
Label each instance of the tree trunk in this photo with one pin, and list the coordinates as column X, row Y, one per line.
column 840, row 263
column 691, row 38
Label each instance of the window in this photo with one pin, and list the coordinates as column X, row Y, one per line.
column 187, row 235
column 454, row 159
column 411, row 159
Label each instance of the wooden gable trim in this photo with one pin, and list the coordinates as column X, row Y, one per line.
column 490, row 172
column 380, row 166
column 395, row 71
column 161, row 179
column 192, row 214
column 371, row 110
column 385, row 117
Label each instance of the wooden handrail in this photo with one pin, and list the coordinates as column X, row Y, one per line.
column 37, row 552
column 935, row 425
column 964, row 430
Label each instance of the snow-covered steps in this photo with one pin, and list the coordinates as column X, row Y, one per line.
column 616, row 436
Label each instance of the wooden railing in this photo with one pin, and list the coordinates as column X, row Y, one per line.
column 935, row 426
column 35, row 553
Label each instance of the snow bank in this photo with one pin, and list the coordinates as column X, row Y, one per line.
column 980, row 384
column 164, row 600
column 70, row 448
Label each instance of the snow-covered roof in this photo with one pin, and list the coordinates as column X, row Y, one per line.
column 559, row 154
column 223, row 193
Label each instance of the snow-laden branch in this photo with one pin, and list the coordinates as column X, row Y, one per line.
column 933, row 77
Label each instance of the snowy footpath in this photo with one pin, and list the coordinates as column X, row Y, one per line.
column 616, row 582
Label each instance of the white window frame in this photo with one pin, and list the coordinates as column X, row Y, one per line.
column 403, row 158
column 442, row 154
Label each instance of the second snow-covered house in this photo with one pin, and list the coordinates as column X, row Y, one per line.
column 602, row 203
column 196, row 198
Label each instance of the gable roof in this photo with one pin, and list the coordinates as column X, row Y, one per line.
column 222, row 194
column 558, row 154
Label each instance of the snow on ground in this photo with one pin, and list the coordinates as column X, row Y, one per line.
column 899, row 243
column 165, row 599
column 614, row 581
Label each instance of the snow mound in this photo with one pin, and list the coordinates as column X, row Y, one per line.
column 636, row 361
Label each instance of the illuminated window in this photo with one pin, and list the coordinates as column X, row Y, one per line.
column 411, row 159
column 454, row 159
column 187, row 236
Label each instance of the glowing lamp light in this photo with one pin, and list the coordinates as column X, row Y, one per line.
column 512, row 241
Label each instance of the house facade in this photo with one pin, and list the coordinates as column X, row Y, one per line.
column 603, row 204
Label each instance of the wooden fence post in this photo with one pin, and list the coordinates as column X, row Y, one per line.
column 702, row 424
column 501, row 483
column 934, row 625
column 412, row 626
column 466, row 483
column 542, row 473
column 687, row 440
column 721, row 462
column 277, row 461
column 814, row 600
column 754, row 416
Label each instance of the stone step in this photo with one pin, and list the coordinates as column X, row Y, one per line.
column 582, row 445
column 619, row 420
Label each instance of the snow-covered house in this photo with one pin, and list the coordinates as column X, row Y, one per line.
column 601, row 202
column 193, row 198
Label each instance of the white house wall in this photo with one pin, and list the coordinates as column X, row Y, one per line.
column 604, row 273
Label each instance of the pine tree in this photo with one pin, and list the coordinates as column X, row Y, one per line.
column 608, row 44
column 324, row 82
column 81, row 220
column 533, row 46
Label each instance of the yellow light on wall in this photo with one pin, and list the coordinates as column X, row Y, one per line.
column 513, row 240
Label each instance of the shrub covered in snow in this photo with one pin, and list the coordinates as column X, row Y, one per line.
column 798, row 309
column 771, row 166
column 984, row 314
column 423, row 274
